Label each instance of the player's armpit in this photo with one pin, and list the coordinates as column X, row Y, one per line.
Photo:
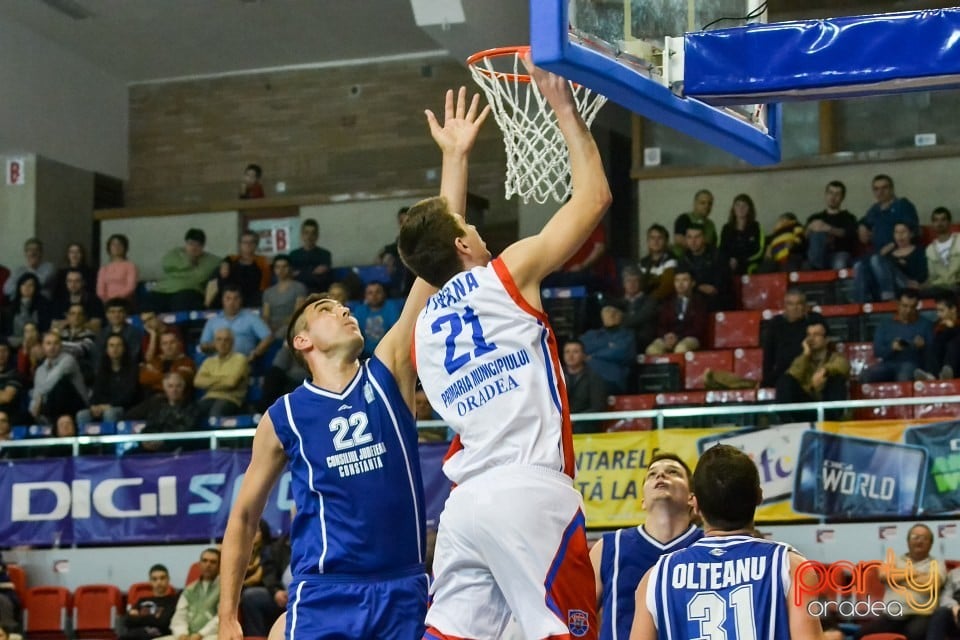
column 643, row 627
column 394, row 350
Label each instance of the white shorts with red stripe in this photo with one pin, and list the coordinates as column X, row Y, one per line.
column 512, row 541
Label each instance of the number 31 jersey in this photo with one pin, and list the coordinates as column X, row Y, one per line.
column 489, row 366
column 355, row 475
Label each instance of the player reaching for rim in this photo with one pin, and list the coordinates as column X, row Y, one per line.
column 511, row 538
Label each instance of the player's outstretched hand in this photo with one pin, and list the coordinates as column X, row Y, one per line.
column 553, row 87
column 461, row 123
column 229, row 630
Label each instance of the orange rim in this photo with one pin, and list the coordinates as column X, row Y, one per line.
column 499, row 52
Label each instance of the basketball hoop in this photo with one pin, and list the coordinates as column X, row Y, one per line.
column 538, row 165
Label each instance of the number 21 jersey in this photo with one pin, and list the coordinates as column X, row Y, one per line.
column 488, row 363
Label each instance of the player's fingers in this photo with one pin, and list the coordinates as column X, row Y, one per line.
column 483, row 116
column 432, row 121
column 461, row 103
column 448, row 106
column 472, row 111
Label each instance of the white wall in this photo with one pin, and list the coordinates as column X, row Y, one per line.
column 58, row 105
column 354, row 231
column 928, row 183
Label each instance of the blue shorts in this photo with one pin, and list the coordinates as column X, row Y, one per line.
column 351, row 607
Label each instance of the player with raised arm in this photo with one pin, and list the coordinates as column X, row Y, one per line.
column 349, row 438
column 729, row 584
column 511, row 537
column 620, row 558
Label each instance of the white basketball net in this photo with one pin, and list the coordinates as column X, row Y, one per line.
column 538, row 164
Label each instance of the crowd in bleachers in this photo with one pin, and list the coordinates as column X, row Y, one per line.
column 750, row 315
column 833, row 308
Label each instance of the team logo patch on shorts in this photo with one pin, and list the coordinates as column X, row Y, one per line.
column 578, row 622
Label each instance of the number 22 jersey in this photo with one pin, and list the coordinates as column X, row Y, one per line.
column 355, row 475
column 488, row 363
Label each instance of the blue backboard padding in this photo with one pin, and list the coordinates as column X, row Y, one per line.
column 824, row 59
column 552, row 50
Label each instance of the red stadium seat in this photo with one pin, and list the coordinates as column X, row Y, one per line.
column 763, row 291
column 193, row 574
column 736, row 329
column 952, row 564
column 699, row 361
column 45, row 613
column 631, row 403
column 19, row 578
column 96, row 608
column 882, row 391
column 937, row 409
column 748, row 363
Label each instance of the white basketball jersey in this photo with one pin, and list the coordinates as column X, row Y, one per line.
column 489, row 366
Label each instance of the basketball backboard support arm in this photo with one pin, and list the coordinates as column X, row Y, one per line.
column 553, row 49
column 825, row 59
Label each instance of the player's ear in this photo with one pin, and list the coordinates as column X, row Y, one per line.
column 695, row 506
column 301, row 342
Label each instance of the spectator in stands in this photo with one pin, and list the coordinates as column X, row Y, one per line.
column 943, row 359
column 251, row 335
column 611, row 350
column 943, row 254
column 312, row 264
column 115, row 385
column 786, row 246
column 423, row 410
column 702, row 206
column 710, row 270
column 153, row 328
column 639, row 309
column 912, row 624
column 945, row 621
column 818, row 374
column 586, row 390
column 224, row 376
column 898, row 265
column 78, row 340
column 285, row 374
column 644, row 288
column 58, row 386
column 29, row 353
column 149, row 617
column 250, row 271
column 9, row 602
column 375, row 316
column 258, row 607
column 741, row 239
column 75, row 259
column 832, row 233
column 339, row 292
column 280, row 300
column 401, row 278
column 28, row 305
column 75, row 292
column 117, row 325
column 682, row 322
column 195, row 617
column 185, row 273
column 44, row 272
column 251, row 187
column 11, row 387
column 900, row 343
column 213, row 294
column 876, row 227
column 783, row 335
column 170, row 357
column 172, row 411
column 117, row 278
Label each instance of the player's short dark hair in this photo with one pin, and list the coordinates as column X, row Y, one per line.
column 838, row 185
column 727, row 486
column 943, row 211
column 158, row 567
column 426, row 241
column 256, row 170
column 295, row 325
column 667, row 455
column 195, row 235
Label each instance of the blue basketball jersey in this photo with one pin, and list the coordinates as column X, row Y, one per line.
column 355, row 475
column 733, row 587
column 627, row 555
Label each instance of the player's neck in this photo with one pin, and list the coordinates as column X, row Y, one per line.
column 332, row 373
column 716, row 532
column 665, row 524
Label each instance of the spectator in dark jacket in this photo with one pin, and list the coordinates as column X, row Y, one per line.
column 710, row 270
column 682, row 324
column 149, row 617
column 783, row 335
column 169, row 412
column 586, row 391
column 115, row 386
column 742, row 239
column 9, row 602
column 611, row 350
column 900, row 343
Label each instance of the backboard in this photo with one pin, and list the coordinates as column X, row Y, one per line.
column 698, row 65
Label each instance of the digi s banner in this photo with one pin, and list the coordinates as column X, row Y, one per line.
column 146, row 498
